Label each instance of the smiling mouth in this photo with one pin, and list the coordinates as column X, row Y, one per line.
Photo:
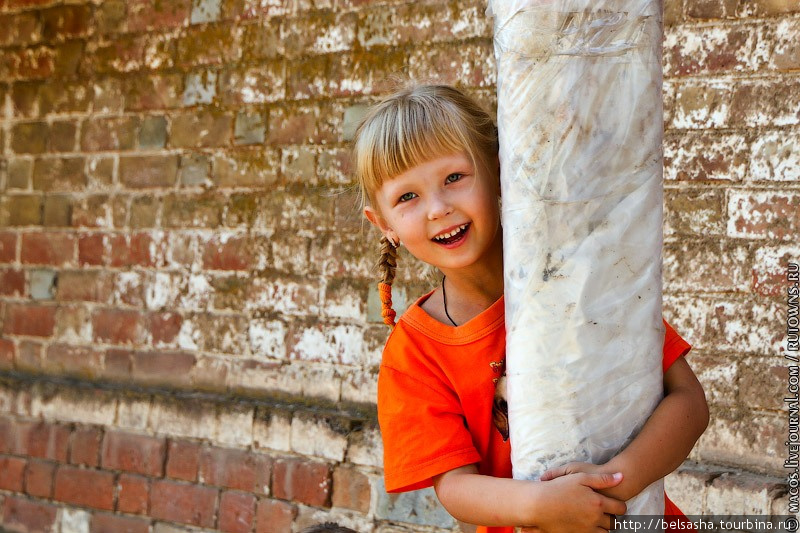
column 455, row 237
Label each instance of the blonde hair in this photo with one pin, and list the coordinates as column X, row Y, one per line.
column 409, row 127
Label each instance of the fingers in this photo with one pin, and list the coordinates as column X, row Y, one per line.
column 602, row 481
column 614, row 507
column 553, row 473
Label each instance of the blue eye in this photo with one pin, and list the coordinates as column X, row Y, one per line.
column 457, row 176
column 406, row 197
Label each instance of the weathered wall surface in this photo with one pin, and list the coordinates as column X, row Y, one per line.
column 190, row 335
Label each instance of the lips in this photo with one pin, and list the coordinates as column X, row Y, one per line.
column 453, row 236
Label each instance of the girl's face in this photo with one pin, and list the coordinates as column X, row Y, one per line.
column 444, row 211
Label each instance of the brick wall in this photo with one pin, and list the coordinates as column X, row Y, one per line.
column 187, row 294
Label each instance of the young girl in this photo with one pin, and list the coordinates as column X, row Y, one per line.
column 426, row 159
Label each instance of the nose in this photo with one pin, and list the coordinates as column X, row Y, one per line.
column 438, row 207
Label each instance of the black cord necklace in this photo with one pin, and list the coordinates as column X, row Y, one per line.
column 444, row 297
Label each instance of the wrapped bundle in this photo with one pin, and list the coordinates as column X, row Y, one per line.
column 580, row 123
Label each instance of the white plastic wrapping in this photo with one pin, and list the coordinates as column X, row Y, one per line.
column 580, row 122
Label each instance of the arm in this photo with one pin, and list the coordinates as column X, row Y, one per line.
column 570, row 503
column 672, row 429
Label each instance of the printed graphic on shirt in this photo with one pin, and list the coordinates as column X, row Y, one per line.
column 500, row 405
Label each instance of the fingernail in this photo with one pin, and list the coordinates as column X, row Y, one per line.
column 617, row 476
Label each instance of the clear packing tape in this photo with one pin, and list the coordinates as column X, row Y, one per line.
column 580, row 123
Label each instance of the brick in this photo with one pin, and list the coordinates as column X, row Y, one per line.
column 93, row 211
column 129, row 289
column 235, row 469
column 228, row 253
column 85, row 446
column 133, row 494
column 117, row 326
column 59, row 174
column 194, row 169
column 26, row 515
column 63, row 22
column 12, row 282
column 64, row 97
column 153, row 133
column 323, row 33
column 109, row 523
column 39, row 478
column 773, row 158
column 201, row 128
column 20, row 29
column 42, row 283
column 767, row 8
column 31, row 63
column 113, row 133
column 192, row 211
column 133, row 453
column 292, row 125
column 75, row 360
column 721, row 266
column 84, row 286
column 351, row 489
column 163, row 367
column 186, row 504
column 212, row 44
column 29, row 137
column 734, row 493
column 164, row 327
column 246, row 168
column 140, row 172
column 302, row 481
column 28, row 319
column 200, row 87
column 205, row 11
column 41, row 440
column 262, row 85
column 91, row 249
column 702, row 106
column 786, row 54
column 151, row 14
column 183, row 460
column 57, row 211
column 47, row 248
column 691, row 50
column 762, row 383
column 694, row 213
column 144, row 212
column 131, row 249
column 712, row 9
column 62, row 136
column 8, row 247
column 769, row 269
column 765, row 102
column 150, row 92
column 321, row 437
column 763, row 214
column 19, row 173
column 7, row 357
column 89, row 488
column 250, row 128
column 273, row 516
column 29, row 356
column 236, row 512
column 117, row 364
column 21, row 210
column 261, row 40
column 700, row 156
column 110, row 17
column 12, row 473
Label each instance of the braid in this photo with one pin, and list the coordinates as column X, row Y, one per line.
column 387, row 265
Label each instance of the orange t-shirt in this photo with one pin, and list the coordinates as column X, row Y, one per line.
column 436, row 391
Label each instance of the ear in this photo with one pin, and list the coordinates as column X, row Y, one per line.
column 377, row 220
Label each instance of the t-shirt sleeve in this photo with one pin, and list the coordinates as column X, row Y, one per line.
column 674, row 347
column 423, row 429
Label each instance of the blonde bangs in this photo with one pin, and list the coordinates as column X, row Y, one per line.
column 414, row 126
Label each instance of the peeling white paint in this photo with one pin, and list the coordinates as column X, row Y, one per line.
column 267, row 338
column 189, row 336
column 342, row 344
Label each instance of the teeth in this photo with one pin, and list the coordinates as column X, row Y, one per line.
column 448, row 235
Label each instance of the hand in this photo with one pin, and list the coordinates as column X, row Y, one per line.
column 573, row 468
column 571, row 503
